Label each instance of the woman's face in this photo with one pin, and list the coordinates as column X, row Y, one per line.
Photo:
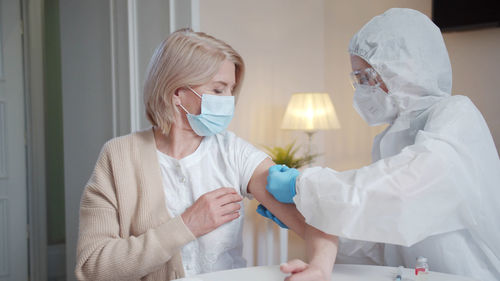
column 221, row 84
column 359, row 64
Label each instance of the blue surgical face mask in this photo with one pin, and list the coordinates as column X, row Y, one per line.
column 216, row 114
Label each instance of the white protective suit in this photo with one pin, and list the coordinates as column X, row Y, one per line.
column 434, row 186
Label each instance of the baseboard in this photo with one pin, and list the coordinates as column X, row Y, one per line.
column 56, row 264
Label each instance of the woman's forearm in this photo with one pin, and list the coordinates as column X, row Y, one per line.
column 321, row 249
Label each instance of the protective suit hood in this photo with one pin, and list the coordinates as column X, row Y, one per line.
column 408, row 52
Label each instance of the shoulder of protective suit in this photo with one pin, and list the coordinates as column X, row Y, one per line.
column 452, row 109
column 453, row 103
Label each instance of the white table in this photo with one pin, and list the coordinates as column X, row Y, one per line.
column 341, row 272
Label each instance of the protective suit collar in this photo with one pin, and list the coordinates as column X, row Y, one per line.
column 408, row 52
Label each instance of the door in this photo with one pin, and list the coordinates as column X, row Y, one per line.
column 13, row 191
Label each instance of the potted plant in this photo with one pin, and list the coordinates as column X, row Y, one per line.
column 287, row 156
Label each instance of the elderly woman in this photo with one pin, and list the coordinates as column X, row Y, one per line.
column 166, row 202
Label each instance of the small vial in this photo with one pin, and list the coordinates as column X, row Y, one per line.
column 399, row 274
column 421, row 269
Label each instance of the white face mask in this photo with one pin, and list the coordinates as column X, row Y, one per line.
column 374, row 105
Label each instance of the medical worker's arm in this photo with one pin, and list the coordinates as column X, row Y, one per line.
column 323, row 247
column 424, row 190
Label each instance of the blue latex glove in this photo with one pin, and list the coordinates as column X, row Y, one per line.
column 281, row 183
column 263, row 211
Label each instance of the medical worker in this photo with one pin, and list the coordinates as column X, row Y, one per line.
column 434, row 185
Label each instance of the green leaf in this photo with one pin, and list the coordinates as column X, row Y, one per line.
column 287, row 155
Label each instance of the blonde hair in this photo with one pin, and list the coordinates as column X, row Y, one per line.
column 185, row 58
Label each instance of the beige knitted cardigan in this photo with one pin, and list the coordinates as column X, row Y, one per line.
column 125, row 231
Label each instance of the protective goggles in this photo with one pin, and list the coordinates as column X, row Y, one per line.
column 367, row 76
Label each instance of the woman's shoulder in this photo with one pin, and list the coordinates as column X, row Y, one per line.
column 229, row 138
column 235, row 145
column 226, row 135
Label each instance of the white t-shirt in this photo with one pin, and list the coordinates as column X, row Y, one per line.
column 222, row 160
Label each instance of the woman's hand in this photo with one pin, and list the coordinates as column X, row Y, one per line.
column 302, row 271
column 212, row 210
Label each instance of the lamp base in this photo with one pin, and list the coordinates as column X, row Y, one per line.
column 309, row 144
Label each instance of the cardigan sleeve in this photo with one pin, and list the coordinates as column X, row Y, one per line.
column 102, row 254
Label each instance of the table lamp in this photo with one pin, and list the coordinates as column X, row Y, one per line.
column 310, row 112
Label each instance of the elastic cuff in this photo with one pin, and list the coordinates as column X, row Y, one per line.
column 292, row 190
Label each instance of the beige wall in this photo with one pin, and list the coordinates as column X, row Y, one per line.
column 282, row 43
column 475, row 58
column 295, row 45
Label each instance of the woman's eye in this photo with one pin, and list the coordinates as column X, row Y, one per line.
column 217, row 91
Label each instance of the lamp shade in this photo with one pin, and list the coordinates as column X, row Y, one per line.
column 310, row 112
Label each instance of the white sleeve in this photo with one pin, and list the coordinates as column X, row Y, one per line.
column 359, row 252
column 426, row 189
column 246, row 158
